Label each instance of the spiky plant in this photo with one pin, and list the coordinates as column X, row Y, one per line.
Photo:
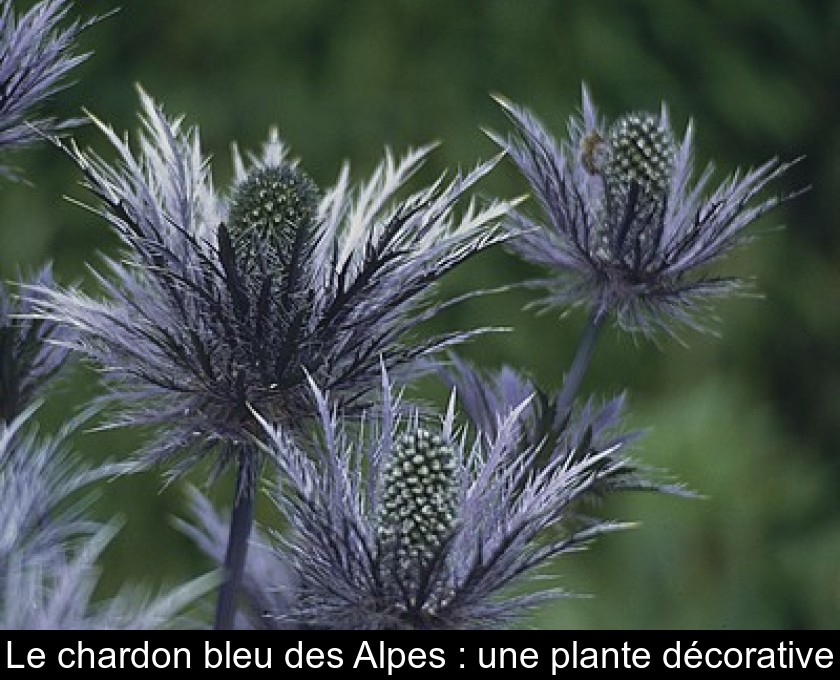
column 628, row 230
column 49, row 546
column 221, row 303
column 411, row 525
column 31, row 350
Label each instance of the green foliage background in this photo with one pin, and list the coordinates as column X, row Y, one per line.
column 749, row 419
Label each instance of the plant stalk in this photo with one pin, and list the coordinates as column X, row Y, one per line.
column 581, row 361
column 241, row 522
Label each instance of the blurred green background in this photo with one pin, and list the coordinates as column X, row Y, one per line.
column 748, row 419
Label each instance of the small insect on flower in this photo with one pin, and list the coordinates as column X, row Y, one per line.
column 593, row 153
column 629, row 231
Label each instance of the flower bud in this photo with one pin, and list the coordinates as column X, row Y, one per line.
column 271, row 207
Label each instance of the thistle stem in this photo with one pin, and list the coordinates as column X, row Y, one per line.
column 583, row 356
column 241, row 522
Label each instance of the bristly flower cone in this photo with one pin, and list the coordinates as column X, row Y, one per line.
column 638, row 167
column 272, row 216
column 416, row 513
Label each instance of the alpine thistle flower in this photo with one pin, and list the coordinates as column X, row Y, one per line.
column 35, row 58
column 228, row 302
column 628, row 230
column 407, row 525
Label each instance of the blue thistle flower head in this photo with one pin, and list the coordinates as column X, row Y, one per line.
column 36, row 56
column 406, row 524
column 226, row 301
column 629, row 231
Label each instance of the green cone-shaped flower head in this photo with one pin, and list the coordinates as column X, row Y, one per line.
column 274, row 207
column 636, row 163
column 417, row 508
column 641, row 151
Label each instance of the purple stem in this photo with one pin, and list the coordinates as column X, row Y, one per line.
column 241, row 522
column 583, row 356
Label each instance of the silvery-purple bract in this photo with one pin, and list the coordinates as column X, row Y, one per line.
column 49, row 546
column 547, row 425
column 32, row 350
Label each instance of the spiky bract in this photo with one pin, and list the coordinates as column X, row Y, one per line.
column 549, row 427
column 31, row 349
column 49, row 547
